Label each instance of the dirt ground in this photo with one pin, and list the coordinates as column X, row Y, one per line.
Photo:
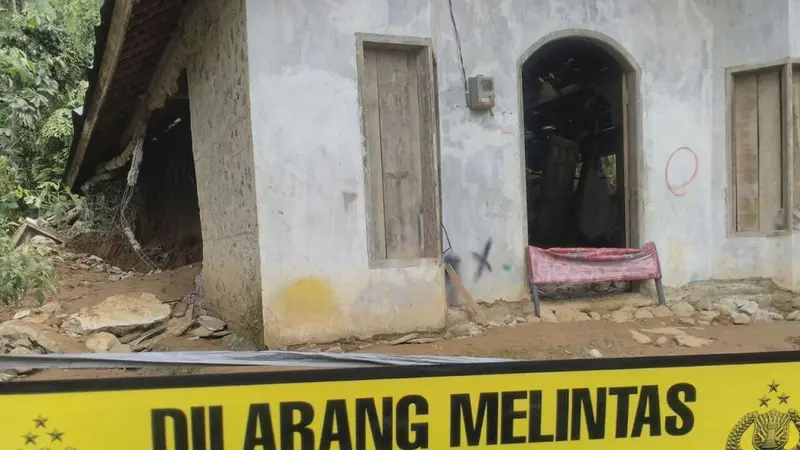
column 80, row 288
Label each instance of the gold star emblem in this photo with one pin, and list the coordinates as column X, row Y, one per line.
column 30, row 438
column 773, row 387
column 40, row 421
column 55, row 435
column 783, row 399
column 764, row 401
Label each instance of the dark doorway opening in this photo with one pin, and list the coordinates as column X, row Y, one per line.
column 575, row 111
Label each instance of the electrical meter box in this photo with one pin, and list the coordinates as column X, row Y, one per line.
column 481, row 92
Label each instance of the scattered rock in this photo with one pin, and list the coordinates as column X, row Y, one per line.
column 212, row 323
column 704, row 304
column 23, row 342
column 687, row 321
column 661, row 312
column 620, row 316
column 42, row 336
column 668, row 331
column 520, row 319
column 201, row 332
column 115, row 277
column 691, row 341
column 570, row 315
column 662, row 341
column 595, row 353
column 148, row 339
column 640, row 338
column 726, row 308
column 709, row 316
column 42, row 241
column 95, row 259
column 643, row 314
column 703, row 323
column 178, row 326
column 51, row 308
column 404, row 339
column 794, row 315
column 796, row 302
column 531, row 318
column 683, row 309
column 747, row 306
column 740, row 318
column 220, row 334
column 118, row 315
column 548, row 315
column 179, row 309
column 20, row 351
column 595, row 315
column 21, row 314
column 105, row 343
column 335, row 349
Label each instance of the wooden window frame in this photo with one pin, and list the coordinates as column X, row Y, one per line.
column 425, row 45
column 785, row 66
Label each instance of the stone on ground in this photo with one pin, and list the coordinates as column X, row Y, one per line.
column 683, row 309
column 740, row 318
column 103, row 342
column 21, row 314
column 661, row 312
column 688, row 321
column 40, row 335
column 691, row 341
column 595, row 353
column 620, row 316
column 643, row 314
column 794, row 315
column 662, row 341
column 548, row 315
column 595, row 315
column 570, row 315
column 212, row 323
column 20, row 351
column 118, row 315
column 640, row 338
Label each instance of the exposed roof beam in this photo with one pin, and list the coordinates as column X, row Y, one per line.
column 116, row 38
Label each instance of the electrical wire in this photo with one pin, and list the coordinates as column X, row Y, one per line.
column 460, row 53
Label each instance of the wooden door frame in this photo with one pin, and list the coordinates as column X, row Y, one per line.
column 632, row 126
column 431, row 135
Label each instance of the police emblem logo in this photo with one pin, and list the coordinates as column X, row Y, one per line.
column 43, row 436
column 770, row 427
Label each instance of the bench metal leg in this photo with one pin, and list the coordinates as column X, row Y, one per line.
column 660, row 292
column 535, row 297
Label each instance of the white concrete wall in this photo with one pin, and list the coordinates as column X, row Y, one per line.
column 316, row 281
column 671, row 42
column 747, row 33
column 308, row 150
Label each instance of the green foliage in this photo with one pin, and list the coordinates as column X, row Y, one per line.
column 45, row 51
column 23, row 272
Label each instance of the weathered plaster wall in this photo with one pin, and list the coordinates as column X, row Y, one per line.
column 670, row 42
column 217, row 68
column 316, row 281
column 748, row 33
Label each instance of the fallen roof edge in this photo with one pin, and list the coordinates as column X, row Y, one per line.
column 92, row 73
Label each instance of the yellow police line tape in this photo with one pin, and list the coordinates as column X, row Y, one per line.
column 690, row 403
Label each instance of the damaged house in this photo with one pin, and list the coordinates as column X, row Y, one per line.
column 324, row 158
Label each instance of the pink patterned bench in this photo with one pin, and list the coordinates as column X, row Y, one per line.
column 592, row 265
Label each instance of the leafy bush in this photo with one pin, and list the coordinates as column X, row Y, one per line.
column 24, row 271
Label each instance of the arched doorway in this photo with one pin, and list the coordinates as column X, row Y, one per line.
column 580, row 125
